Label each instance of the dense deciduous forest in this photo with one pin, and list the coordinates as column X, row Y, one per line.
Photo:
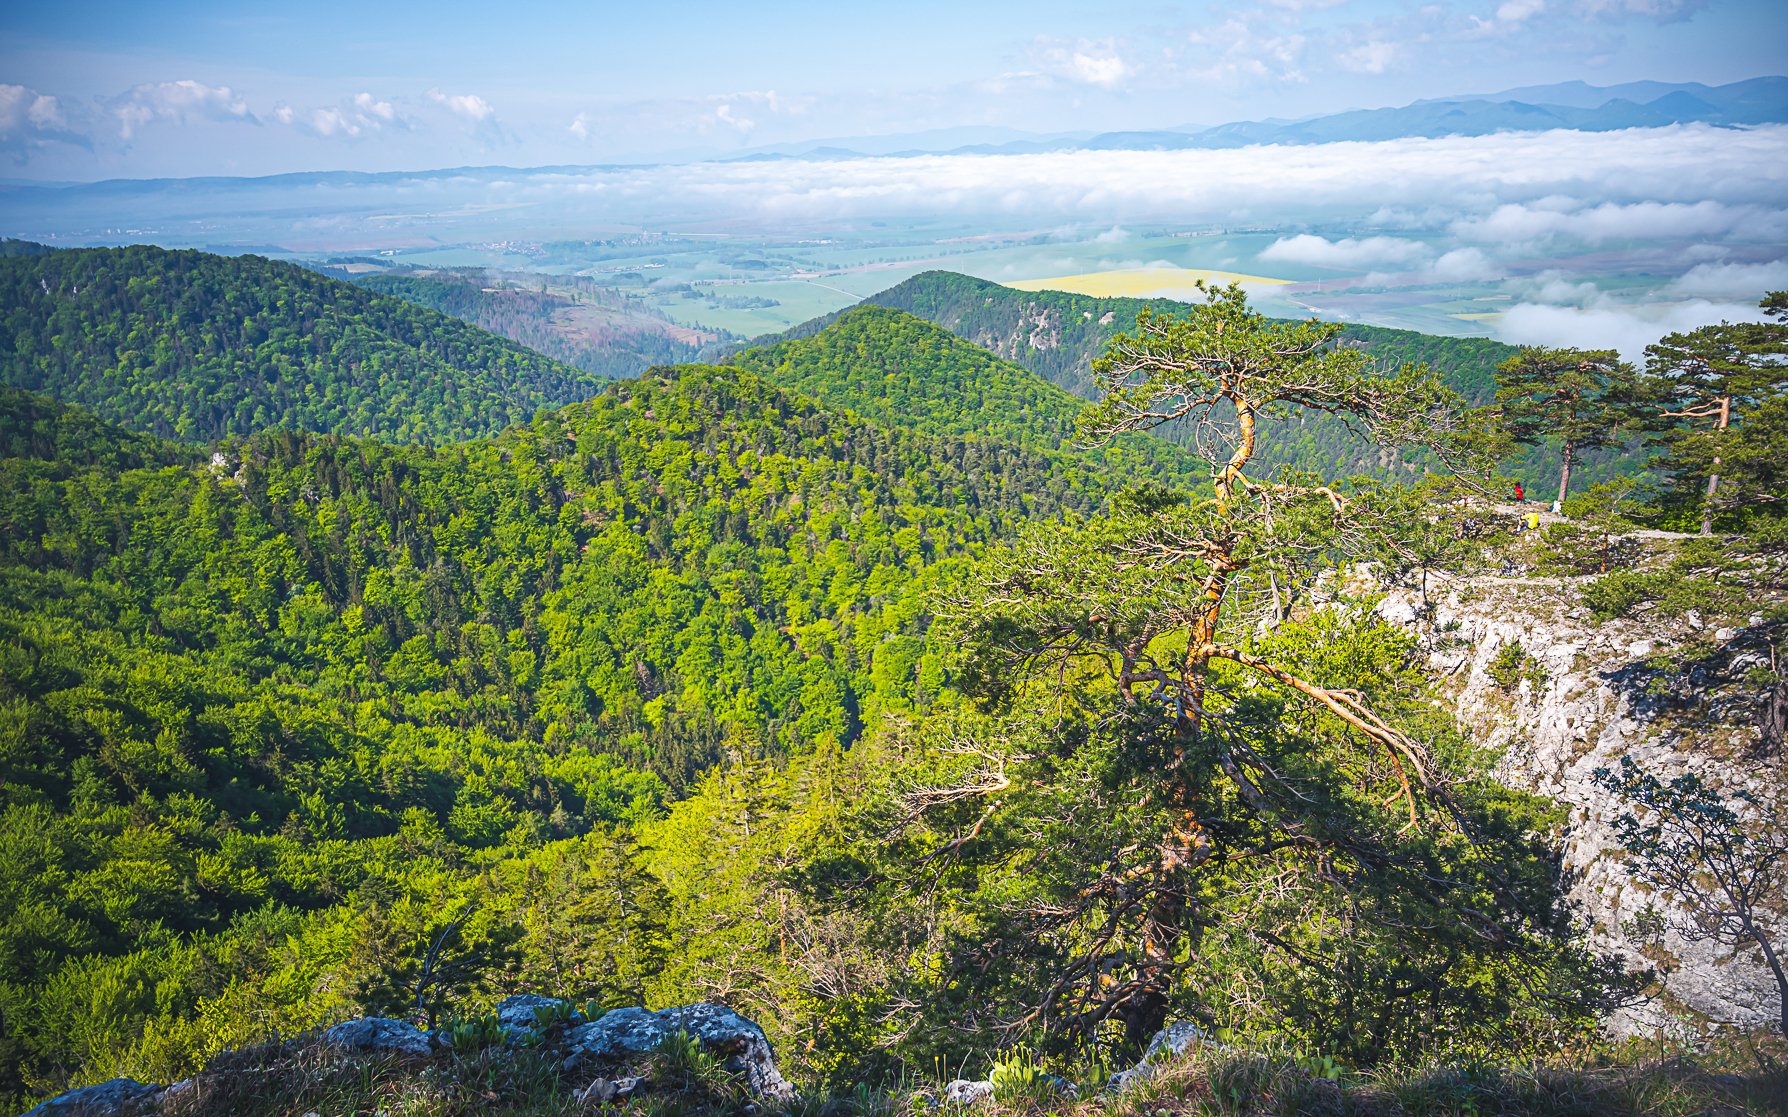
column 1058, row 334
column 195, row 346
column 227, row 676
column 898, row 370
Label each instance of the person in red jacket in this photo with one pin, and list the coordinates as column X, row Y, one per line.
column 1520, row 493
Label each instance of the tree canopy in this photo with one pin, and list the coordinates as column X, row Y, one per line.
column 195, row 346
column 1572, row 397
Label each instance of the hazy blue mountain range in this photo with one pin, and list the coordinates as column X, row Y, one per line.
column 1581, row 107
column 1578, row 105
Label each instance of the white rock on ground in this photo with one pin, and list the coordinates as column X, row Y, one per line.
column 968, row 1091
column 1174, row 1039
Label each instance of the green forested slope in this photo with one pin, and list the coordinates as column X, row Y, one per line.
column 265, row 716
column 1057, row 335
column 196, row 346
column 899, row 370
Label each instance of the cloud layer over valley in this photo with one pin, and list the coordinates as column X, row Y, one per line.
column 1703, row 210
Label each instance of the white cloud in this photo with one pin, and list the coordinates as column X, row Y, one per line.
column 1547, row 220
column 327, row 122
column 1553, row 288
column 1085, row 61
column 355, row 117
column 371, row 106
column 1609, row 325
column 1656, row 9
column 468, row 105
column 1732, row 281
column 739, row 113
column 179, row 102
column 1465, row 265
column 30, row 119
column 1668, row 182
column 1514, row 11
column 1349, row 253
column 1370, row 57
column 1235, row 50
column 725, row 114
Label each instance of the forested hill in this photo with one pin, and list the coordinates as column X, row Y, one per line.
column 67, row 440
column 273, row 711
column 197, row 346
column 1057, row 334
column 900, row 370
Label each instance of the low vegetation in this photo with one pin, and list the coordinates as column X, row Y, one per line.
column 278, row 1079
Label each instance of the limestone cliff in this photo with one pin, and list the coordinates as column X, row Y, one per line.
column 1671, row 694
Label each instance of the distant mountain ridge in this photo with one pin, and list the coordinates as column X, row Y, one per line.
column 1756, row 101
column 1569, row 105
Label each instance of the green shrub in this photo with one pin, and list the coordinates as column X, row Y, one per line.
column 471, row 1035
column 554, row 1015
column 1513, row 664
column 1020, row 1077
column 681, row 1061
column 1667, row 592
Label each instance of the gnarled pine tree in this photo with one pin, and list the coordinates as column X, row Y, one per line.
column 1174, row 723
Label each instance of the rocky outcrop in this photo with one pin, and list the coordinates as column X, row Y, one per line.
column 380, row 1036
column 1175, row 1039
column 1672, row 695
column 519, row 1015
column 121, row 1097
column 634, row 1031
column 603, row 1047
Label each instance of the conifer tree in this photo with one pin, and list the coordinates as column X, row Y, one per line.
column 1707, row 378
column 1574, row 396
column 1185, row 726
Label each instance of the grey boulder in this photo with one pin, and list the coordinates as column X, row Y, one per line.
column 121, row 1097
column 380, row 1035
column 516, row 1014
column 627, row 1032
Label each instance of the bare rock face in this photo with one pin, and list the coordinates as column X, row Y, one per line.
column 1666, row 694
column 121, row 1097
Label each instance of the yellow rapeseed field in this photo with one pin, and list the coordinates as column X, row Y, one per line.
column 1139, row 282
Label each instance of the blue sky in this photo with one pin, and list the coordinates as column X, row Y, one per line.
column 97, row 90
